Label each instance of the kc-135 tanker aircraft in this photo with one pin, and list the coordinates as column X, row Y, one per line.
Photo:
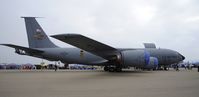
column 92, row 52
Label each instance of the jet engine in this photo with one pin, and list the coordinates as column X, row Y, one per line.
column 137, row 58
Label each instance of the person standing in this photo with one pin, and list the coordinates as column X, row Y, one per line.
column 177, row 67
column 55, row 67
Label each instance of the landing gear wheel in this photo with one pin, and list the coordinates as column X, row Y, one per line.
column 118, row 69
column 111, row 69
column 106, row 68
column 165, row 68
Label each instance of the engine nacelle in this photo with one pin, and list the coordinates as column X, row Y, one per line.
column 153, row 63
column 139, row 58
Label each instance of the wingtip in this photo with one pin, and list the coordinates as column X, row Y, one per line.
column 54, row 36
column 59, row 36
column 64, row 35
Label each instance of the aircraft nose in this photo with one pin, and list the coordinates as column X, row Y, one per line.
column 182, row 57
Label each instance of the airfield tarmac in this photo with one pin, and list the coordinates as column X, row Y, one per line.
column 72, row 83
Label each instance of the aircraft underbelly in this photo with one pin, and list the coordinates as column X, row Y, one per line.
column 86, row 59
column 74, row 55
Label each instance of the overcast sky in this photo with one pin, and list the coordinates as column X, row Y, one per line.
column 172, row 24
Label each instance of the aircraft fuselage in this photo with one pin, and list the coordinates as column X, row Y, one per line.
column 78, row 56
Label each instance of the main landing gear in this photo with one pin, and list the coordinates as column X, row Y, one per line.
column 113, row 68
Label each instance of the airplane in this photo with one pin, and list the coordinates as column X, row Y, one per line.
column 91, row 52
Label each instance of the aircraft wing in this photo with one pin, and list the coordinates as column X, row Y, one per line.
column 23, row 50
column 87, row 44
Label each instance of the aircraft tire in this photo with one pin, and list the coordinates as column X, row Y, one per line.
column 165, row 68
column 111, row 69
column 118, row 69
column 106, row 68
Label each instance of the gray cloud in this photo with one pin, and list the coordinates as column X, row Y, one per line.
column 120, row 23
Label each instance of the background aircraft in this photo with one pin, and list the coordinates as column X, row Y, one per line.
column 92, row 52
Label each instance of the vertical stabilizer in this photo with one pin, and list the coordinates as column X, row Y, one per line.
column 36, row 35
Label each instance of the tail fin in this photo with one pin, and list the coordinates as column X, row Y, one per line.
column 36, row 35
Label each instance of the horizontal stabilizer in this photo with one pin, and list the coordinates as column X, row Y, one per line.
column 149, row 45
column 87, row 44
column 27, row 50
